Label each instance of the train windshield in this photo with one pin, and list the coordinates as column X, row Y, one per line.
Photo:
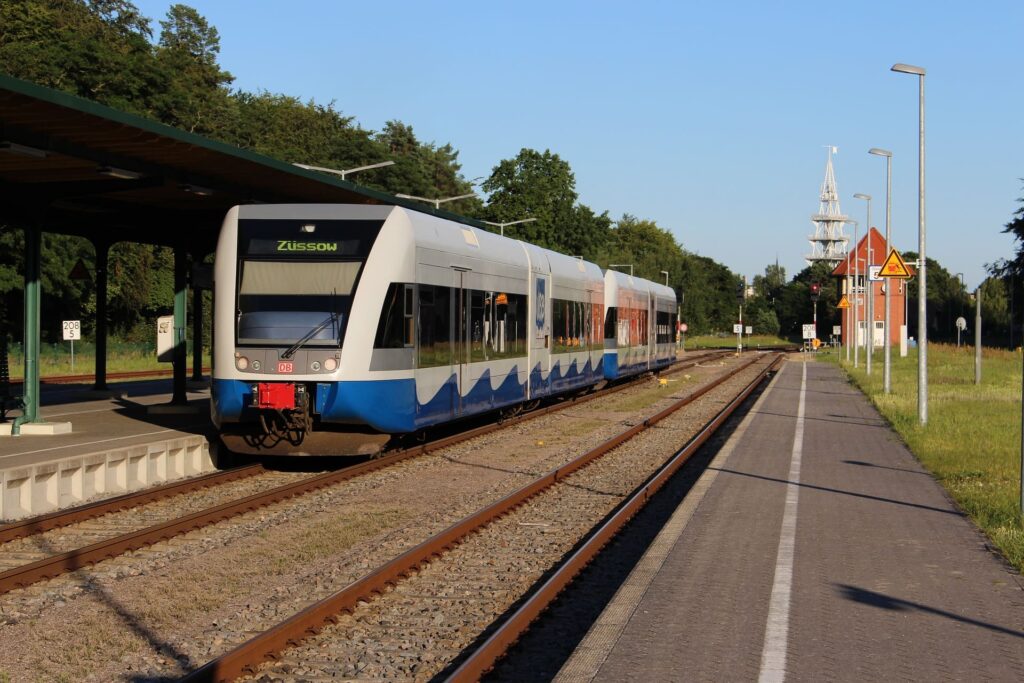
column 281, row 302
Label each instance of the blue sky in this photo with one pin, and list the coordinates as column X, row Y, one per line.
column 709, row 118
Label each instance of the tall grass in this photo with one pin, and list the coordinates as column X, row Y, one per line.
column 972, row 442
column 729, row 341
column 55, row 359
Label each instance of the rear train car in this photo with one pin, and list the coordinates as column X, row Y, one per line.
column 638, row 331
column 338, row 326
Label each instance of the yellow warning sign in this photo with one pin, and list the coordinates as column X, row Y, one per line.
column 894, row 267
column 844, row 302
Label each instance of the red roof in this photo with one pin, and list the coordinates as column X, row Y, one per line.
column 879, row 251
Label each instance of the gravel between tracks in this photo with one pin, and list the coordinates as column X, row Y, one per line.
column 417, row 630
column 156, row 612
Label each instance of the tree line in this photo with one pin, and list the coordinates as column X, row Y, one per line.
column 108, row 52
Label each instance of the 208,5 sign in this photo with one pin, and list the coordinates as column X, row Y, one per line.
column 72, row 330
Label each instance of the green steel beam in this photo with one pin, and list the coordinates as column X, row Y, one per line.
column 33, row 248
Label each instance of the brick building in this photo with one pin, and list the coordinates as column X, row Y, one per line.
column 898, row 313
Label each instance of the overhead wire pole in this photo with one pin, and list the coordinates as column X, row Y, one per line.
column 922, row 289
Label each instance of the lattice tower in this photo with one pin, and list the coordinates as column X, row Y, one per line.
column 828, row 243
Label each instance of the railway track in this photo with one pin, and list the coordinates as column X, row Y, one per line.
column 418, row 615
column 47, row 546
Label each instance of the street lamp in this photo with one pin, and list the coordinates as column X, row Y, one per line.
column 501, row 226
column 856, row 285
column 347, row 170
column 622, row 265
column 960, row 295
column 886, row 380
column 922, row 295
column 869, row 342
column 436, row 202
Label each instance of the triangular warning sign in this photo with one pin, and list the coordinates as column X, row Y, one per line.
column 79, row 271
column 844, row 302
column 894, row 267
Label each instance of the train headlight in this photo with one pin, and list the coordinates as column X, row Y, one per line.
column 241, row 362
column 315, row 366
column 331, row 364
column 256, row 365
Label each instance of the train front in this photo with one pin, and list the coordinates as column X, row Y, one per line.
column 286, row 279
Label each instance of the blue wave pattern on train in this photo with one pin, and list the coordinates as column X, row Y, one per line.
column 361, row 322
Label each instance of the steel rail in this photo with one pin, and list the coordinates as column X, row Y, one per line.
column 482, row 660
column 61, row 563
column 244, row 658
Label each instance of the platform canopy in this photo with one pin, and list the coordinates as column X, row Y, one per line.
column 73, row 166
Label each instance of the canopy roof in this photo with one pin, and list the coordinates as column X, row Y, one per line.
column 77, row 167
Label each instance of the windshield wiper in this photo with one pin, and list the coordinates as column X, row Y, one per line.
column 309, row 335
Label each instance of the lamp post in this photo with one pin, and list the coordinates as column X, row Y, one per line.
column 887, row 371
column 869, row 342
column 345, row 172
column 960, row 295
column 501, row 226
column 849, row 308
column 856, row 284
column 437, row 202
column 922, row 295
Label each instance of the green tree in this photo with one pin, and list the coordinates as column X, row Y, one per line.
column 538, row 185
column 99, row 50
column 194, row 93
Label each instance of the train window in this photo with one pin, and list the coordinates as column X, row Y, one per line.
column 570, row 325
column 395, row 327
column 664, row 322
column 296, row 278
column 410, row 320
column 611, row 323
column 597, row 324
column 434, row 328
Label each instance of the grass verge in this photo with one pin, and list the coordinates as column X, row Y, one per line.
column 972, row 442
column 729, row 342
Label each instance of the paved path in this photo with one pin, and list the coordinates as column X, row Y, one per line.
column 815, row 548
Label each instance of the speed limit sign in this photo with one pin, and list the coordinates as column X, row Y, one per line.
column 72, row 330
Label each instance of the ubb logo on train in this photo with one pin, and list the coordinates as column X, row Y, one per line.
column 541, row 316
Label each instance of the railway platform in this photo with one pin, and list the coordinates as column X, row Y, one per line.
column 815, row 547
column 117, row 445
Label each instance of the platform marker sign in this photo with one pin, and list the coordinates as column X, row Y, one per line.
column 72, row 331
column 894, row 266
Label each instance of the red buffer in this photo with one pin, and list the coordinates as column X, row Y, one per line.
column 275, row 395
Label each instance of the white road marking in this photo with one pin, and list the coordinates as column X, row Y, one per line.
column 773, row 656
column 93, row 443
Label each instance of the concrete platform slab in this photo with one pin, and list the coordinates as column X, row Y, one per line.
column 821, row 550
column 116, row 446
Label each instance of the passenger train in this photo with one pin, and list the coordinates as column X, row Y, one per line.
column 338, row 327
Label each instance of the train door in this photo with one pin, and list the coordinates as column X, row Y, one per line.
column 540, row 342
column 436, row 368
column 460, row 339
column 652, row 316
